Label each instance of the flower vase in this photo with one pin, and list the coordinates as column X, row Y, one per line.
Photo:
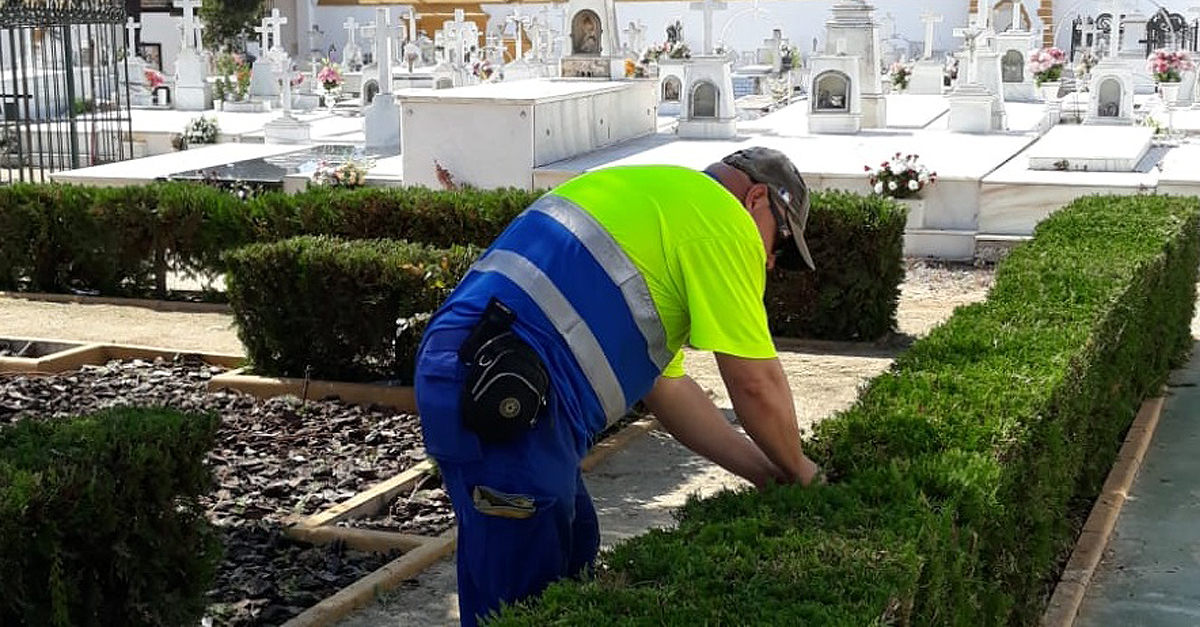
column 916, row 212
column 1049, row 90
column 1169, row 93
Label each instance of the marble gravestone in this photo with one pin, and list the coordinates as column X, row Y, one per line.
column 263, row 82
column 1016, row 80
column 835, row 97
column 139, row 93
column 971, row 103
column 927, row 73
column 381, row 119
column 285, row 129
column 1110, row 92
column 595, row 51
column 988, row 73
column 707, row 109
column 853, row 30
column 191, row 87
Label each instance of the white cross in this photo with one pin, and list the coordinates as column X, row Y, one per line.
column 189, row 20
column 459, row 34
column 1016, row 15
column 275, row 22
column 635, row 35
column 1113, row 8
column 264, row 35
column 383, row 49
column 931, row 21
column 708, row 6
column 975, row 29
column 518, row 21
column 351, row 26
column 131, row 27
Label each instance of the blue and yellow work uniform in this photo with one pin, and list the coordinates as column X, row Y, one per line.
column 609, row 275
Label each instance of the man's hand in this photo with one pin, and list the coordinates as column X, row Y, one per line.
column 762, row 400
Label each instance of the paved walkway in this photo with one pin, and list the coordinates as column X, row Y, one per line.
column 1150, row 573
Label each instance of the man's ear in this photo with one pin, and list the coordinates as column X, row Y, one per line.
column 757, row 196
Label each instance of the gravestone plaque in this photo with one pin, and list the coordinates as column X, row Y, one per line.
column 704, row 100
column 671, row 88
column 1110, row 99
column 585, row 33
column 1012, row 67
column 832, row 91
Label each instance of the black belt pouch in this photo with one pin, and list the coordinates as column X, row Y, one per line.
column 506, row 385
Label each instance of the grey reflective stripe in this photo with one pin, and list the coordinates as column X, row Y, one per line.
column 566, row 320
column 617, row 266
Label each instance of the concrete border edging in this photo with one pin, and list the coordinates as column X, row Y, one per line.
column 1093, row 538
column 175, row 306
column 400, row 398
column 98, row 353
column 364, row 591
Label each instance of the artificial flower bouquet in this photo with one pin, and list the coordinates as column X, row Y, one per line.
column 1046, row 64
column 902, row 176
column 1168, row 67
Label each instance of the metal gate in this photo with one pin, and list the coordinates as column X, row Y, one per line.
column 63, row 98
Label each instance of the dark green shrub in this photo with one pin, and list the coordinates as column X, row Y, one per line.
column 857, row 244
column 100, row 520
column 970, row 458
column 327, row 308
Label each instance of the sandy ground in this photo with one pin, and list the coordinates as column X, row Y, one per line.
column 635, row 489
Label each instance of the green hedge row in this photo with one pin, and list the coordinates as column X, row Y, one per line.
column 959, row 472
column 124, row 241
column 327, row 308
column 857, row 243
column 100, row 522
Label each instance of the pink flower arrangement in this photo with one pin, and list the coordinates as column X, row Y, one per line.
column 900, row 74
column 1046, row 64
column 902, row 176
column 330, row 76
column 297, row 80
column 154, row 78
column 1167, row 66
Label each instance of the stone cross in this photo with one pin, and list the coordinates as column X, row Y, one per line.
column 708, row 6
column 275, row 22
column 383, row 48
column 975, row 29
column 264, row 36
column 518, row 21
column 282, row 64
column 635, row 35
column 189, row 20
column 131, row 29
column 931, row 21
column 1016, row 16
column 459, row 32
column 351, row 27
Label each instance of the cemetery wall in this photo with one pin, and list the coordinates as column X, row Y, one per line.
column 961, row 476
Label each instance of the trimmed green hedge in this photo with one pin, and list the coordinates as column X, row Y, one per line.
column 960, row 470
column 857, row 244
column 100, row 520
column 124, row 241
column 327, row 308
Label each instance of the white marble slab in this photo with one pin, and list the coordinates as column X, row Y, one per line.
column 915, row 111
column 532, row 91
column 1180, row 171
column 1090, row 148
column 141, row 171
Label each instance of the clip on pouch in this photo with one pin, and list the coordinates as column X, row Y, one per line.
column 506, row 384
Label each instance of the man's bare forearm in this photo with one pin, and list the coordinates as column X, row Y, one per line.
column 689, row 415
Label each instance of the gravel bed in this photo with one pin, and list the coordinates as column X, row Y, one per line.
column 273, row 459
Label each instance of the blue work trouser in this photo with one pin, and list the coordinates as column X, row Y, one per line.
column 502, row 559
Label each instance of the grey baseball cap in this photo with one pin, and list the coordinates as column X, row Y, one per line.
column 788, row 192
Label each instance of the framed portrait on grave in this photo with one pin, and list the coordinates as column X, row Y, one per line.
column 152, row 53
